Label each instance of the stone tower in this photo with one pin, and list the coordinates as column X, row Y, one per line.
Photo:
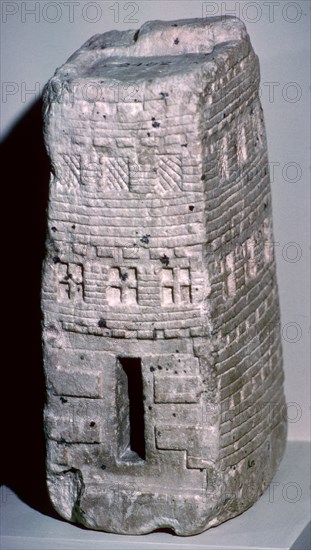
column 161, row 319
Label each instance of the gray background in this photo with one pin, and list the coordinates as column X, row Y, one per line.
column 37, row 37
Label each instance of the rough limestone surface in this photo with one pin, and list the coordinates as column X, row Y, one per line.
column 162, row 349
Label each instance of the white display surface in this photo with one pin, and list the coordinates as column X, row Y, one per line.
column 279, row 520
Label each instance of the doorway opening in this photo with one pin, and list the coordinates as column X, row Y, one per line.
column 131, row 429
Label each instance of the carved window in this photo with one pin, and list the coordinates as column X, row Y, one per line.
column 175, row 286
column 258, row 126
column 122, row 287
column 241, row 146
column 268, row 241
column 228, row 267
column 250, row 266
column 223, row 158
column 70, row 279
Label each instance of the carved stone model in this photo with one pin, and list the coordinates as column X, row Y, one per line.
column 162, row 349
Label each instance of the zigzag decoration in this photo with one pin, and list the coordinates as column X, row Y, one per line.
column 117, row 174
column 70, row 170
column 170, row 173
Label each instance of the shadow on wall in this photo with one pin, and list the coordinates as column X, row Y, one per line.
column 26, row 176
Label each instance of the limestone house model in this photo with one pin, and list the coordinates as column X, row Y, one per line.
column 161, row 319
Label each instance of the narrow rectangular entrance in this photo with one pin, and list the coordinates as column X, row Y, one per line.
column 131, row 423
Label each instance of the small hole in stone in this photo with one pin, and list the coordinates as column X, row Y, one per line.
column 176, row 41
column 145, row 239
column 152, row 369
column 102, row 323
column 150, row 408
column 203, row 177
column 135, row 37
column 165, row 260
column 92, row 424
column 103, row 467
column 174, row 414
column 54, row 228
column 73, row 226
column 191, row 207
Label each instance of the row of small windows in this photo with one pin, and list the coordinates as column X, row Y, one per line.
column 173, row 285
column 243, row 139
column 250, row 265
column 122, row 288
